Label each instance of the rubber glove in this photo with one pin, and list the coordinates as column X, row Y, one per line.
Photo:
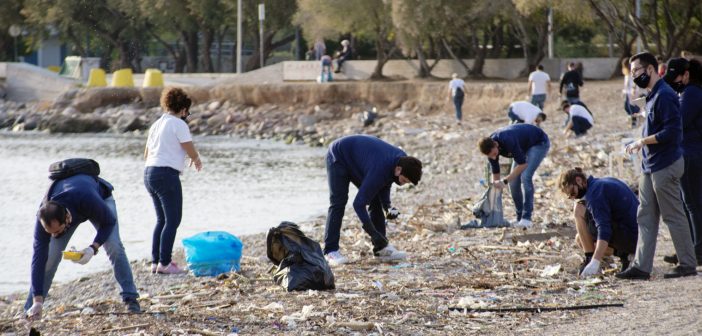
column 392, row 213
column 88, row 253
column 34, row 313
column 591, row 269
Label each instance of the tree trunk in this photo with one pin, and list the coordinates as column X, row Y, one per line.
column 455, row 57
column 424, row 70
column 180, row 61
column 269, row 46
column 207, row 39
column 382, row 57
column 191, row 42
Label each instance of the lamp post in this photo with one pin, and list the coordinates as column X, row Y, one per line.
column 239, row 38
column 261, row 17
column 15, row 31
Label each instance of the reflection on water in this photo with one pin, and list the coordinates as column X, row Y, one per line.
column 246, row 186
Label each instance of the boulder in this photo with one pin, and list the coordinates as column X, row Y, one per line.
column 128, row 123
column 59, row 123
column 90, row 99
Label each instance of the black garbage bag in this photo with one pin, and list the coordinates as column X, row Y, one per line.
column 369, row 117
column 301, row 263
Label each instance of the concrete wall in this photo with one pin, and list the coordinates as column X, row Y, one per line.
column 28, row 83
column 509, row 68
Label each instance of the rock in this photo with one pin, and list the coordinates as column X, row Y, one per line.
column 216, row 120
column 128, row 123
column 65, row 99
column 213, row 105
column 307, row 120
column 70, row 111
column 77, row 124
column 90, row 99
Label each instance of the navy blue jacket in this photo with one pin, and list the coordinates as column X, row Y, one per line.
column 663, row 120
column 691, row 112
column 84, row 197
column 613, row 206
column 371, row 163
column 515, row 140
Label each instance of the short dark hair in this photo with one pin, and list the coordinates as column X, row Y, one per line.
column 175, row 100
column 542, row 116
column 540, row 67
column 51, row 211
column 564, row 104
column 568, row 177
column 695, row 71
column 411, row 168
column 645, row 58
column 486, row 145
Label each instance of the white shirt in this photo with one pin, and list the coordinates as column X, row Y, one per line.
column 579, row 111
column 538, row 81
column 525, row 111
column 455, row 84
column 163, row 144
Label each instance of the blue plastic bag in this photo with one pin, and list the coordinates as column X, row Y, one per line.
column 212, row 253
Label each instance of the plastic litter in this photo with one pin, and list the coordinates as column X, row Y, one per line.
column 212, row 253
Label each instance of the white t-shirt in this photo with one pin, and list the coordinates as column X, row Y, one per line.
column 163, row 144
column 579, row 111
column 538, row 80
column 455, row 84
column 525, row 111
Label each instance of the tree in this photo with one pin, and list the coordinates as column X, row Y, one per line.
column 278, row 27
column 421, row 26
column 365, row 19
column 75, row 17
column 9, row 15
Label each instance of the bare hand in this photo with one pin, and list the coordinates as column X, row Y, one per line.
column 498, row 184
column 197, row 162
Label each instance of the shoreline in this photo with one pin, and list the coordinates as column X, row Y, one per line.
column 447, row 267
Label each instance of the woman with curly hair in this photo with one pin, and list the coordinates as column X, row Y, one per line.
column 168, row 142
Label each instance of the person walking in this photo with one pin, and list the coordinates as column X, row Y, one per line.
column 320, row 49
column 685, row 77
column 68, row 203
column 605, row 218
column 456, row 92
column 372, row 165
column 539, row 86
column 168, row 143
column 571, row 81
column 662, row 167
column 528, row 146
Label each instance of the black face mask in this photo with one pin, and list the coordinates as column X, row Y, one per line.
column 642, row 80
column 581, row 192
column 396, row 179
column 678, row 86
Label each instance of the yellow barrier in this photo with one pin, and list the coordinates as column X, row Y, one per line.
column 54, row 68
column 97, row 78
column 122, row 78
column 153, row 78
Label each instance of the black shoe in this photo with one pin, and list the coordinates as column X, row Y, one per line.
column 680, row 271
column 671, row 259
column 588, row 258
column 132, row 305
column 633, row 273
column 625, row 262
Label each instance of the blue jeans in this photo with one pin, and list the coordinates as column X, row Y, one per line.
column 538, row 100
column 691, row 183
column 515, row 118
column 339, row 180
column 580, row 125
column 113, row 248
column 163, row 184
column 524, row 201
column 458, row 104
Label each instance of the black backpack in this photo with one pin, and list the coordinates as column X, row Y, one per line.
column 70, row 167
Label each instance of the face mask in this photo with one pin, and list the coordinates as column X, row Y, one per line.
column 678, row 86
column 642, row 80
column 184, row 119
column 581, row 192
column 396, row 179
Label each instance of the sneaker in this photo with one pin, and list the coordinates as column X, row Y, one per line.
column 390, row 253
column 172, row 268
column 154, row 267
column 523, row 224
column 335, row 258
column 132, row 305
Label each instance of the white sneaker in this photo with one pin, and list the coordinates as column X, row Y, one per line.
column 335, row 258
column 523, row 224
column 390, row 253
